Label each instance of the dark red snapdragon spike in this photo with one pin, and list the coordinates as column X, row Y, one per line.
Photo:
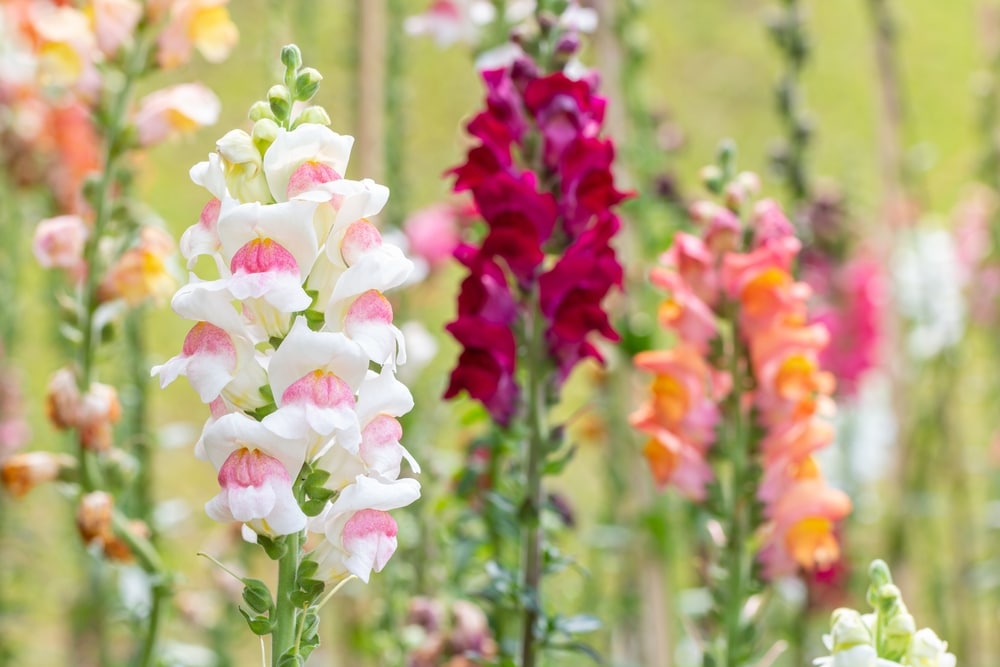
column 541, row 179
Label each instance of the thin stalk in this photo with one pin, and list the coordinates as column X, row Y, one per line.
column 738, row 510
column 138, row 428
column 536, row 449
column 792, row 42
column 286, row 612
column 102, row 205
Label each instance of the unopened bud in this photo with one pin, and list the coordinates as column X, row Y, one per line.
column 265, row 131
column 896, row 636
column 279, row 98
column 711, row 176
column 93, row 517
column 307, row 83
column 261, row 109
column 291, row 57
column 313, row 114
column 23, row 472
column 62, row 401
column 928, row 650
column 568, row 44
column 99, row 409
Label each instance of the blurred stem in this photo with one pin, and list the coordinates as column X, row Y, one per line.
column 792, row 42
column 537, row 448
column 114, row 150
column 738, row 510
column 138, row 428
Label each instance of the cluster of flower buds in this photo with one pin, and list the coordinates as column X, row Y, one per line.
column 541, row 180
column 887, row 637
column 294, row 348
column 731, row 289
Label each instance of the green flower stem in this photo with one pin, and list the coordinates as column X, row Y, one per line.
column 537, row 445
column 286, row 616
column 141, row 495
column 738, row 510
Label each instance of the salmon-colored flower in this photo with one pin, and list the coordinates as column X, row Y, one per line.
column 142, row 273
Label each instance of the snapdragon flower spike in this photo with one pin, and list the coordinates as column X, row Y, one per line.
column 287, row 334
column 548, row 231
column 710, row 277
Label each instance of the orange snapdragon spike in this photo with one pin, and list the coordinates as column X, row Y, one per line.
column 784, row 388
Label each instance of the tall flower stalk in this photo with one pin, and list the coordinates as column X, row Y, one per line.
column 540, row 177
column 295, row 352
column 738, row 405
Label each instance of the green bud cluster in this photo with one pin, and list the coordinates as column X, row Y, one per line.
column 299, row 84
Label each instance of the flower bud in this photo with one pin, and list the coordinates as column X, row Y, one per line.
column 291, row 57
column 307, row 83
column 265, row 131
column 261, row 109
column 848, row 629
column 62, row 402
column 897, row 635
column 279, row 98
column 927, row 650
column 23, row 472
column 314, row 114
column 99, row 409
column 242, row 166
column 711, row 177
column 93, row 517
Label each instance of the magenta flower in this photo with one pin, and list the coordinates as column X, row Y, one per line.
column 548, row 230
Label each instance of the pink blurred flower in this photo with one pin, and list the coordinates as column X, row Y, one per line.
column 434, row 232
column 450, row 21
column 114, row 23
column 59, row 243
column 175, row 110
column 853, row 316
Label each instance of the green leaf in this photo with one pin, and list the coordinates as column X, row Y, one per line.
column 259, row 625
column 307, row 568
column 556, row 465
column 274, row 549
column 313, row 507
column 291, row 660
